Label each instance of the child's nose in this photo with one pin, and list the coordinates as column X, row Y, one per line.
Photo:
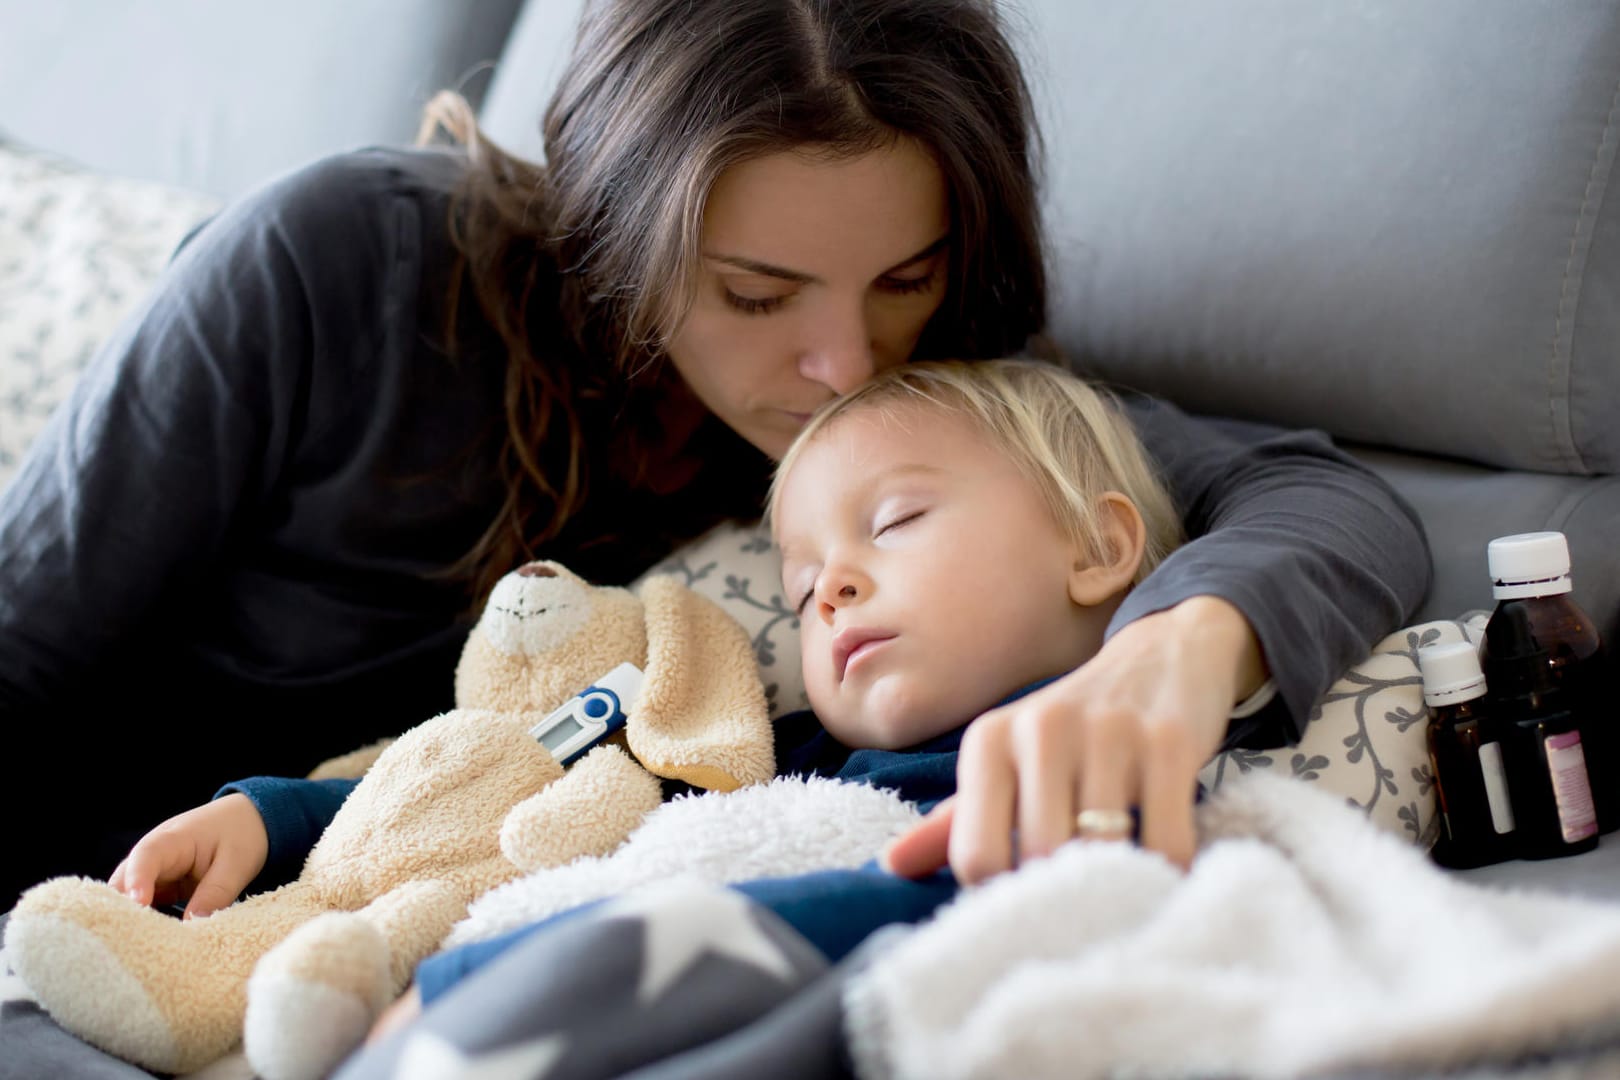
column 839, row 595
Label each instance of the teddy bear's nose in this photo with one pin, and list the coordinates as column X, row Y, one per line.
column 535, row 569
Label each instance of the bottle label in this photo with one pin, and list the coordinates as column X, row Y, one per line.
column 1572, row 788
column 1496, row 793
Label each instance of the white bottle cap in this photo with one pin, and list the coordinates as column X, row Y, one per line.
column 1529, row 564
column 1451, row 673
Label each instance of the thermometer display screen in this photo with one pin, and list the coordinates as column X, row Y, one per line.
column 563, row 730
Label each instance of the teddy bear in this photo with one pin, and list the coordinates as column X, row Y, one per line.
column 452, row 808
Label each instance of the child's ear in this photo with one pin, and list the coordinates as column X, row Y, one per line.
column 1093, row 581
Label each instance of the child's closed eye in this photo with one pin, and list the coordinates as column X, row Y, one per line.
column 897, row 522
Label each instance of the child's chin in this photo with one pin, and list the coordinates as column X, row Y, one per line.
column 893, row 722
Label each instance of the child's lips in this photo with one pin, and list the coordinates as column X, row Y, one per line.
column 853, row 644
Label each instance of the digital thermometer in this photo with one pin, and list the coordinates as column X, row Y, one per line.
column 589, row 716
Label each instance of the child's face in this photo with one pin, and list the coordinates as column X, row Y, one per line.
column 931, row 578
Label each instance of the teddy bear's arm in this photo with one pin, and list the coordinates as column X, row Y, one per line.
column 589, row 811
column 350, row 766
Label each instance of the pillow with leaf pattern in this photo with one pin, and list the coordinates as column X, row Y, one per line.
column 1366, row 740
column 78, row 250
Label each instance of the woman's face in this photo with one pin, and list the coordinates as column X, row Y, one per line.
column 817, row 272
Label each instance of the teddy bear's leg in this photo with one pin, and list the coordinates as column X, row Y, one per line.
column 312, row 999
column 590, row 811
column 165, row 994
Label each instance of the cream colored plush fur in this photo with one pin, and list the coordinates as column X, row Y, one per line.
column 453, row 808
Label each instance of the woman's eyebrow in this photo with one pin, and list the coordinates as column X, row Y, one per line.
column 799, row 277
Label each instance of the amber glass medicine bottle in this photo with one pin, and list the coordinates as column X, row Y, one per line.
column 1476, row 816
column 1537, row 651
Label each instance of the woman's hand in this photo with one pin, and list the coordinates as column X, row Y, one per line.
column 1129, row 728
column 205, row 856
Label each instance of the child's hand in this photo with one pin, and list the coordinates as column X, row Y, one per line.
column 206, row 856
column 405, row 1009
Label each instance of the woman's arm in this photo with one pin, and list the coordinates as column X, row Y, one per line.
column 1298, row 559
column 1320, row 555
column 220, row 557
column 273, row 455
column 166, row 443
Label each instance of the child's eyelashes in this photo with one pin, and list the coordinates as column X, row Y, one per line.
column 898, row 522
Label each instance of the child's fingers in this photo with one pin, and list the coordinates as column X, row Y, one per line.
column 158, row 858
column 397, row 1015
column 223, row 882
column 116, row 878
column 922, row 849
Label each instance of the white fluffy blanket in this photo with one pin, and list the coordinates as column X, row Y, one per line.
column 791, row 825
column 1304, row 940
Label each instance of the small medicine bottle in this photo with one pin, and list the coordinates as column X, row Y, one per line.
column 1532, row 586
column 1476, row 815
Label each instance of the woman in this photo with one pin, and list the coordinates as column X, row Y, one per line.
column 253, row 537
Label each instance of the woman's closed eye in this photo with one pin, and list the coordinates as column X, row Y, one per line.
column 756, row 305
column 895, row 286
column 904, row 286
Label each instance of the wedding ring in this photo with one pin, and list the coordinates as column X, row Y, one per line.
column 1104, row 824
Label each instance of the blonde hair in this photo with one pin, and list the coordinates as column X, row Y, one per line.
column 1068, row 437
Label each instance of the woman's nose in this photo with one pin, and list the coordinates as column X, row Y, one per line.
column 840, row 357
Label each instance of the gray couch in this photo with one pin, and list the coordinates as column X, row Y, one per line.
column 1388, row 221
column 1398, row 223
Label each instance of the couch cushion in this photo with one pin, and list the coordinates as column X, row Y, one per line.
column 1464, row 506
column 220, row 96
column 78, row 251
column 528, row 71
column 1397, row 222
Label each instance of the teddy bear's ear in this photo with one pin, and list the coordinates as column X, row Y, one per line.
column 701, row 716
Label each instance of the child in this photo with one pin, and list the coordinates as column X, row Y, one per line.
column 952, row 535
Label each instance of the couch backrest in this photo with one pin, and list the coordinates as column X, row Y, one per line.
column 1398, row 222
column 219, row 96
column 528, row 71
column 1388, row 220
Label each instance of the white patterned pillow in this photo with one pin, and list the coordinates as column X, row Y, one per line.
column 78, row 249
column 736, row 566
column 1366, row 740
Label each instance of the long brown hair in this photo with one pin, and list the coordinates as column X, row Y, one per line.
column 587, row 263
